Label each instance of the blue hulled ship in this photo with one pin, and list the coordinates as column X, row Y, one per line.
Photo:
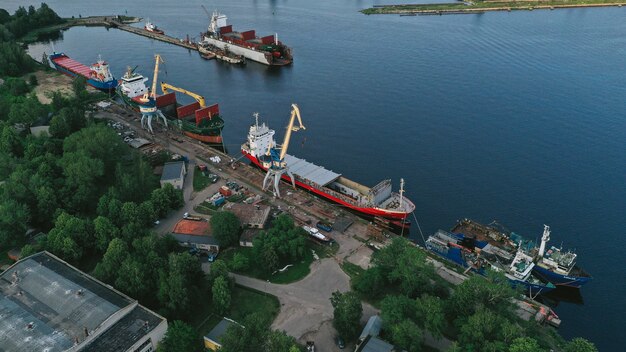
column 479, row 256
column 96, row 75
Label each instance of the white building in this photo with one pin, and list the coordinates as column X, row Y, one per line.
column 174, row 174
column 48, row 305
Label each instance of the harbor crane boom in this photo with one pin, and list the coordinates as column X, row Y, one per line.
column 278, row 166
column 165, row 87
column 148, row 107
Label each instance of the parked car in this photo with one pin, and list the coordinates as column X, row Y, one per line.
column 212, row 256
column 340, row 343
column 310, row 346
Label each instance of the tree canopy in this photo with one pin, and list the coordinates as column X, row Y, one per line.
column 226, row 228
column 347, row 313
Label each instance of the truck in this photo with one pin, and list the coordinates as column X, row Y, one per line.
column 186, row 216
column 225, row 191
column 324, row 226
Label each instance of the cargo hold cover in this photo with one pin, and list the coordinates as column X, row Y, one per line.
column 309, row 171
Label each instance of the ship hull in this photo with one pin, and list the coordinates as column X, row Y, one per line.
column 561, row 280
column 367, row 211
column 204, row 138
column 254, row 55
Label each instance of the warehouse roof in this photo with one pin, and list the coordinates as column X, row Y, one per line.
column 249, row 214
column 47, row 305
column 172, row 170
column 374, row 344
column 218, row 331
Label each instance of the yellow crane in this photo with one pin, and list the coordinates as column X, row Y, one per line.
column 148, row 107
column 277, row 165
column 165, row 87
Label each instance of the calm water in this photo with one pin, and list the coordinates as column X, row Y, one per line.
column 517, row 116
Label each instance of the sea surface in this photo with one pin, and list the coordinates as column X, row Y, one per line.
column 517, row 117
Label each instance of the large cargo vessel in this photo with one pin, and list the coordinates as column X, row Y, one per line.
column 377, row 201
column 96, row 75
column 266, row 50
column 553, row 264
column 478, row 256
column 195, row 120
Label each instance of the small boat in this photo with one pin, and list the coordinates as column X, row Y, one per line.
column 225, row 55
column 151, row 27
column 316, row 234
column 478, row 256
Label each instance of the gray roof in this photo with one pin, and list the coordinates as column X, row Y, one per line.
column 126, row 332
column 310, row 171
column 375, row 344
column 372, row 328
column 219, row 330
column 196, row 239
column 59, row 300
column 172, row 170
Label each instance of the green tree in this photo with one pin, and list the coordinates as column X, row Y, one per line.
column 27, row 251
column 32, row 80
column 525, row 344
column 116, row 254
column 476, row 293
column 407, row 335
column 10, row 142
column 225, row 226
column 347, row 313
column 180, row 337
column 487, row 331
column 429, row 312
column 180, row 288
column 248, row 337
column 279, row 341
column 105, row 231
column 580, row 345
column 395, row 309
column 221, row 295
column 240, row 262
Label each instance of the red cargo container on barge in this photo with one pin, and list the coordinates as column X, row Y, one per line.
column 377, row 201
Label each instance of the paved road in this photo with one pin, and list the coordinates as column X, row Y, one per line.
column 306, row 312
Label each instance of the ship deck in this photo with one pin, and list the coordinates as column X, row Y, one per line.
column 310, row 172
column 72, row 65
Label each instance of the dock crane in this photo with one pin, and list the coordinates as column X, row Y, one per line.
column 165, row 87
column 274, row 158
column 148, row 106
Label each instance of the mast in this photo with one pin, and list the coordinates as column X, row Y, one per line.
column 544, row 239
column 256, row 119
column 401, row 190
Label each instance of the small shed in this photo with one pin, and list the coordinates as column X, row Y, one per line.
column 372, row 328
column 174, row 174
column 252, row 216
column 247, row 237
column 213, row 339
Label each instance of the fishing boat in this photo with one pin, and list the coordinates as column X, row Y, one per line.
column 553, row 264
column 479, row 256
column 97, row 75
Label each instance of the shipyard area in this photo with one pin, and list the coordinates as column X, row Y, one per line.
column 128, row 224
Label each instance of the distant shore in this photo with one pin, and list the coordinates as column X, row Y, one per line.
column 469, row 7
column 34, row 35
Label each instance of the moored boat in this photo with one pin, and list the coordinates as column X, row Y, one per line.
column 478, row 256
column 151, row 27
column 375, row 201
column 554, row 264
column 267, row 50
column 97, row 75
column 208, row 51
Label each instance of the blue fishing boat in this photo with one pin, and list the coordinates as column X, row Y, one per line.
column 479, row 256
column 552, row 264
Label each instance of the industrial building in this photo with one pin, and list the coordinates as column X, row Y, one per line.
column 195, row 234
column 174, row 174
column 48, row 305
column 251, row 216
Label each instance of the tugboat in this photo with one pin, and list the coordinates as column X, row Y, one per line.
column 554, row 265
column 151, row 27
column 478, row 256
column 208, row 52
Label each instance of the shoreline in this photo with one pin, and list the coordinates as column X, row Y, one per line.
column 480, row 7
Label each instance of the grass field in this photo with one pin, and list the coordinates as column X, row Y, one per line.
column 245, row 301
column 294, row 273
column 200, row 181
